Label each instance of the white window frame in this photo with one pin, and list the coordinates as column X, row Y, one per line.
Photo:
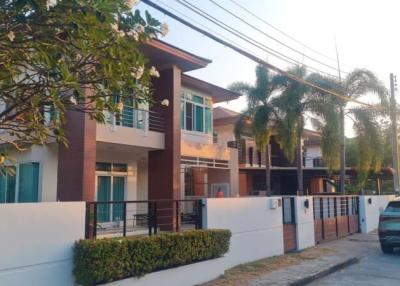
column 194, row 104
column 112, row 174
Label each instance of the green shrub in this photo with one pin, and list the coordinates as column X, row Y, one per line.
column 106, row 260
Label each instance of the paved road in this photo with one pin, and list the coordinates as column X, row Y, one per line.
column 374, row 269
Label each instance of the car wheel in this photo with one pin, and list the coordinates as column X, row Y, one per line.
column 387, row 248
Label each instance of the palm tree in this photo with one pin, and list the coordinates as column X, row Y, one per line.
column 258, row 113
column 333, row 111
column 291, row 106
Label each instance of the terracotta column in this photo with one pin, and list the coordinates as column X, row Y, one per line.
column 77, row 162
column 164, row 165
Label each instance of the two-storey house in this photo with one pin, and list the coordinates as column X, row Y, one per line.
column 166, row 151
column 283, row 173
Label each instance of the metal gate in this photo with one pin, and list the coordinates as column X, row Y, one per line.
column 289, row 223
column 335, row 217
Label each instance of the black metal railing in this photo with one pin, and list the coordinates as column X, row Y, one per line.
column 335, row 206
column 288, row 210
column 156, row 122
column 138, row 118
column 123, row 218
column 313, row 162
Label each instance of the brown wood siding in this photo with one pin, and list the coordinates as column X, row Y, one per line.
column 343, row 225
column 329, row 229
column 354, row 223
column 77, row 162
column 318, row 230
column 289, row 237
column 164, row 165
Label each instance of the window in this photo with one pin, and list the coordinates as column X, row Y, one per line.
column 196, row 113
column 393, row 207
column 21, row 184
column 111, row 178
column 111, row 167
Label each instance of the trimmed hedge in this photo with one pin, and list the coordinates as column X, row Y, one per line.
column 106, row 260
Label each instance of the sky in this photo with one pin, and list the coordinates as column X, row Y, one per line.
column 366, row 33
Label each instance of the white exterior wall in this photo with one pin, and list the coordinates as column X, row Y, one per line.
column 257, row 230
column 312, row 151
column 369, row 212
column 188, row 275
column 47, row 157
column 36, row 242
column 129, row 136
column 305, row 234
column 225, row 133
column 142, row 180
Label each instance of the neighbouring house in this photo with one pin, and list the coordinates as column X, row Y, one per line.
column 283, row 172
column 162, row 152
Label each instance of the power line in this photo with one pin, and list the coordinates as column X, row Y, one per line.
column 282, row 32
column 255, row 58
column 237, row 33
column 271, row 37
column 202, row 25
column 246, row 38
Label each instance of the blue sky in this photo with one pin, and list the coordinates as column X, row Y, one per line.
column 366, row 32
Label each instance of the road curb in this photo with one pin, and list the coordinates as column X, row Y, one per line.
column 325, row 272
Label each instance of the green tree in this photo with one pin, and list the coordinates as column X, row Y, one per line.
column 366, row 125
column 292, row 106
column 259, row 112
column 69, row 55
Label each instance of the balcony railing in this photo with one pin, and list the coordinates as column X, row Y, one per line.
column 138, row 118
column 313, row 162
column 122, row 218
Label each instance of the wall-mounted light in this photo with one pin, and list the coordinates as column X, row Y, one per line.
column 307, row 203
column 165, row 102
column 370, row 201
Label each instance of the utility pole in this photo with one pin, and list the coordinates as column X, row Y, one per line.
column 342, row 134
column 393, row 117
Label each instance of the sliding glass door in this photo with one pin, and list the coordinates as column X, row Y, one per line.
column 110, row 188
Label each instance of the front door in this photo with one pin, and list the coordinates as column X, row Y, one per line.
column 110, row 188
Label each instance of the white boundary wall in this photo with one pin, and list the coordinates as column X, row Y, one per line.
column 305, row 233
column 257, row 232
column 36, row 242
column 256, row 226
column 370, row 209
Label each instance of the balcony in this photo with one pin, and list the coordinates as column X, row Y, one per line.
column 135, row 127
column 250, row 157
column 146, row 120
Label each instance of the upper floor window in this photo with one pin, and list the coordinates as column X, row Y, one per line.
column 196, row 113
column 22, row 185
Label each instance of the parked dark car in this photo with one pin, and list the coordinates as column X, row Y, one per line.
column 389, row 227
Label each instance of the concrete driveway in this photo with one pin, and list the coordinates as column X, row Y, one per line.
column 373, row 269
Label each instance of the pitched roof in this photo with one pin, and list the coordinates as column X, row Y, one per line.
column 218, row 94
column 224, row 116
column 162, row 55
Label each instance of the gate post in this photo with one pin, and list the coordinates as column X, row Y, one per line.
column 304, row 218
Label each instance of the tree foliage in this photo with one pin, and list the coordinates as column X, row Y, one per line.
column 256, row 119
column 291, row 105
column 369, row 140
column 57, row 56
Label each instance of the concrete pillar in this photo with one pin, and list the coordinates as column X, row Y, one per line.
column 77, row 162
column 234, row 172
column 305, row 234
